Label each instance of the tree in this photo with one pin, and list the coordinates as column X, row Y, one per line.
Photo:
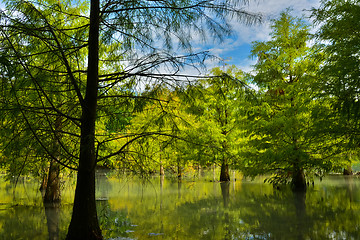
column 219, row 107
column 161, row 124
column 131, row 25
column 285, row 122
column 339, row 74
column 35, row 91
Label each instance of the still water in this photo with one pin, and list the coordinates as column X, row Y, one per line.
column 196, row 208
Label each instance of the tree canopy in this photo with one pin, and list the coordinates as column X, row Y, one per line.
column 284, row 124
column 101, row 83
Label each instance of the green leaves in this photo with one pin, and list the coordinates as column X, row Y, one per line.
column 339, row 31
column 285, row 133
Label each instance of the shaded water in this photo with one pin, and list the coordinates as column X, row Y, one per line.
column 163, row 208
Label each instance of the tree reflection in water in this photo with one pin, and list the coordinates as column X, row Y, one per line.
column 166, row 209
column 52, row 212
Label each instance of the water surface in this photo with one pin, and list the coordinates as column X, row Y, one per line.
column 196, row 208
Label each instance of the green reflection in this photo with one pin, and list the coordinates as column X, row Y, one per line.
column 164, row 208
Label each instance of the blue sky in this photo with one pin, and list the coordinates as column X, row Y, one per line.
column 236, row 50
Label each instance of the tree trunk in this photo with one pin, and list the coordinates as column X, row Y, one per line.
column 43, row 185
column 52, row 193
column 298, row 180
column 84, row 222
column 224, row 174
column 179, row 172
column 214, row 172
column 162, row 172
column 348, row 170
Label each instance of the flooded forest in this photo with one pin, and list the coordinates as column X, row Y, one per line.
column 114, row 125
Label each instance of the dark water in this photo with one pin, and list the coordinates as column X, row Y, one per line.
column 195, row 208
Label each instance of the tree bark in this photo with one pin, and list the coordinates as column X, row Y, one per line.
column 84, row 222
column 52, row 192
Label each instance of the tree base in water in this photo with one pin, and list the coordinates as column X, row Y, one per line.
column 224, row 174
column 298, row 182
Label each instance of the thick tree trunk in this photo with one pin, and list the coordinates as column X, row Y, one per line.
column 224, row 174
column 348, row 170
column 298, row 180
column 84, row 222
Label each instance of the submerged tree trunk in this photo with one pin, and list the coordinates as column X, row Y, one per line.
column 84, row 222
column 298, row 182
column 179, row 172
column 224, row 174
column 52, row 192
column 348, row 170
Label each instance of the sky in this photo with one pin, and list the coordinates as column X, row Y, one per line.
column 236, row 49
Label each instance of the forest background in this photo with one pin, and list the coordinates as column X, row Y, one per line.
column 88, row 85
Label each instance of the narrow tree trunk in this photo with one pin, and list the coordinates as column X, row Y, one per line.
column 43, row 185
column 52, row 193
column 214, row 172
column 199, row 170
column 224, row 174
column 84, row 222
column 179, row 172
column 162, row 172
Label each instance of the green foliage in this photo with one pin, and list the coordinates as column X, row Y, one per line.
column 67, row 66
column 287, row 124
column 339, row 33
column 219, row 109
column 39, row 109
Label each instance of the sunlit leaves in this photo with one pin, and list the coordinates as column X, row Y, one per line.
column 285, row 132
column 339, row 32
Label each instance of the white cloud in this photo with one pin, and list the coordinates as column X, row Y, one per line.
column 244, row 35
